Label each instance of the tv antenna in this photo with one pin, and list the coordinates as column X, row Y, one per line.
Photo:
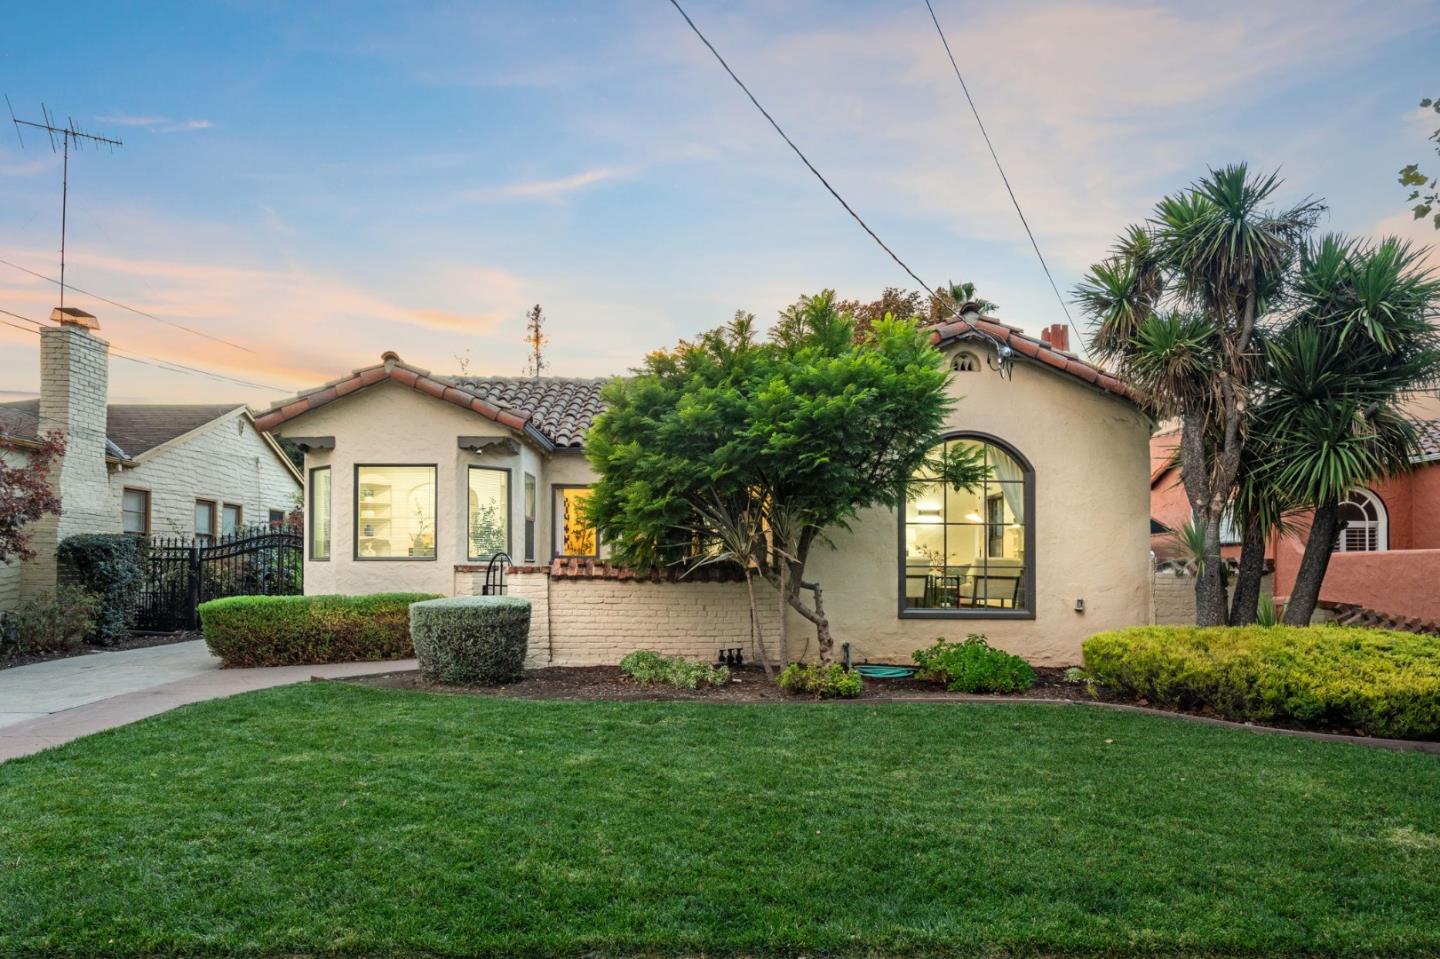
column 67, row 135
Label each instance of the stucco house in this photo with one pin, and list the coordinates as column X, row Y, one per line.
column 414, row 481
column 194, row 471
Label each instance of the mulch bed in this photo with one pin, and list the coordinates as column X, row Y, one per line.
column 747, row 685
column 136, row 641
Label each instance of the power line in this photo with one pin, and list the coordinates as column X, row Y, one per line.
column 1080, row 340
column 131, row 309
column 158, row 362
column 826, row 183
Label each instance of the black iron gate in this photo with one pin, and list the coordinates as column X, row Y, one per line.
column 181, row 574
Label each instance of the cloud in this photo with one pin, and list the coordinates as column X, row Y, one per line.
column 155, row 123
column 547, row 190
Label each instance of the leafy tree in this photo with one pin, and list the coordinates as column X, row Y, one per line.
column 756, row 450
column 26, row 494
column 1425, row 188
column 1179, row 309
column 912, row 303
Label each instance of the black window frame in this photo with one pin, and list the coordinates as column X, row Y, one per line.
column 1029, row 482
column 509, row 508
column 311, row 513
column 355, row 514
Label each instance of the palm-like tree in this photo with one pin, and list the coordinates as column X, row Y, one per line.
column 1178, row 309
column 1360, row 340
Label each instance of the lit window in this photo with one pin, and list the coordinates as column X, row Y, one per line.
column 1363, row 524
column 489, row 512
column 204, row 522
column 230, row 519
column 135, row 512
column 573, row 536
column 394, row 512
column 319, row 517
column 969, row 552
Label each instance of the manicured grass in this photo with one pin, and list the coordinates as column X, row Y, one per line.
column 332, row 819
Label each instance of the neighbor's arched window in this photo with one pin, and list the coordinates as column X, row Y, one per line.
column 970, row 553
column 1364, row 524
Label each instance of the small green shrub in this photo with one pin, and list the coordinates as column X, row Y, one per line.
column 825, row 682
column 52, row 624
column 974, row 666
column 646, row 666
column 1380, row 682
column 293, row 630
column 111, row 565
column 471, row 640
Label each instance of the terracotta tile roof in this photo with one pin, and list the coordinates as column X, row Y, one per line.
column 131, row 429
column 1024, row 345
column 561, row 408
column 1429, row 441
column 563, row 405
column 1350, row 614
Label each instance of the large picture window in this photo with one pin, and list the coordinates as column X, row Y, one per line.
column 489, row 512
column 319, row 518
column 395, row 512
column 573, row 536
column 970, row 552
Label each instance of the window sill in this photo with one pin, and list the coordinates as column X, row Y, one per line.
column 978, row 613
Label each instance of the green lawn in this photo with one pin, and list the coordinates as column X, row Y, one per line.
column 333, row 819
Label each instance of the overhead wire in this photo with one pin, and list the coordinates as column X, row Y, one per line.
column 1080, row 340
column 944, row 304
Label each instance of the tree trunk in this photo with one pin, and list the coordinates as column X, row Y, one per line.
column 1305, row 594
column 1210, row 582
column 1245, row 604
column 756, row 632
column 824, row 642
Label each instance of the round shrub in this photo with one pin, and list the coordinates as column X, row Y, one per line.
column 471, row 640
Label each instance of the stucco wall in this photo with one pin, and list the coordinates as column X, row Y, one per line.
column 1090, row 454
column 1399, row 582
column 392, row 424
column 586, row 622
column 227, row 462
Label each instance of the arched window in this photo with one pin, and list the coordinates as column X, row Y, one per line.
column 1364, row 524
column 970, row 553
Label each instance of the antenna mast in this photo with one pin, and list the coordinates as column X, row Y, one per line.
column 68, row 134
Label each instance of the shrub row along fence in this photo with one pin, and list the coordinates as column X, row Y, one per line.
column 180, row 574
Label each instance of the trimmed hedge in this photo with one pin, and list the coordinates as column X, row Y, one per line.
column 471, row 640
column 112, row 566
column 295, row 630
column 1374, row 681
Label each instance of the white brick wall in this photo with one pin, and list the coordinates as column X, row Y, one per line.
column 588, row 622
column 228, row 462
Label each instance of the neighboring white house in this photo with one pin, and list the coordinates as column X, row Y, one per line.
column 164, row 470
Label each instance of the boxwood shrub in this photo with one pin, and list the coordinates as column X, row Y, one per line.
column 471, row 640
column 291, row 630
column 112, row 566
column 1373, row 681
column 823, row 682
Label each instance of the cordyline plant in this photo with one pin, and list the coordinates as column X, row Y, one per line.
column 746, row 451
column 26, row 494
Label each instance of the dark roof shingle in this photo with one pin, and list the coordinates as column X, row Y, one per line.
column 560, row 407
column 132, row 428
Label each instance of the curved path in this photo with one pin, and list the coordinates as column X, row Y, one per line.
column 46, row 704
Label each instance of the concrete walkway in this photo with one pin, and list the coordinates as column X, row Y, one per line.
column 47, row 704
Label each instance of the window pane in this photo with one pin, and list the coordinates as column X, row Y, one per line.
column 489, row 512
column 277, row 517
column 970, row 552
column 573, row 536
column 529, row 518
column 229, row 519
column 320, row 513
column 204, row 520
column 135, row 511
column 395, row 512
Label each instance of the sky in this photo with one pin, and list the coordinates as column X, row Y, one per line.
column 317, row 183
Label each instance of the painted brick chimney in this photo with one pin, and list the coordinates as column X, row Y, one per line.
column 74, row 379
